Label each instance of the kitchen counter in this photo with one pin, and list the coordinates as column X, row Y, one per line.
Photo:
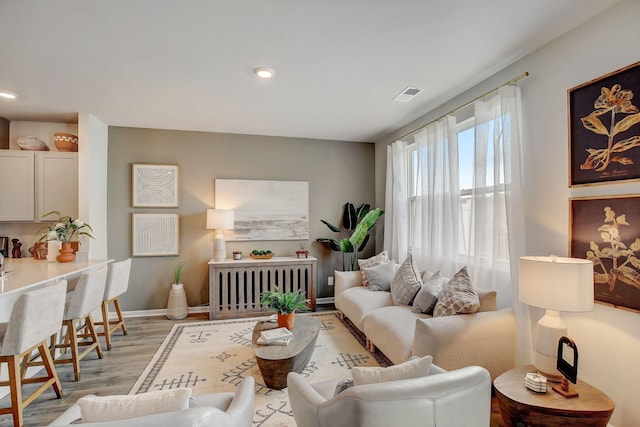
column 24, row 274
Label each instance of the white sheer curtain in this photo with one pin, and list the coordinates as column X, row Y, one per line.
column 448, row 228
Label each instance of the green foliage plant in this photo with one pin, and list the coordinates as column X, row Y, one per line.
column 284, row 302
column 355, row 232
column 177, row 272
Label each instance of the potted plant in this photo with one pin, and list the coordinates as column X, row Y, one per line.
column 177, row 307
column 285, row 303
column 63, row 231
column 356, row 225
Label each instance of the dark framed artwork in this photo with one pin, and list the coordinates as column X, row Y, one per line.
column 606, row 230
column 604, row 134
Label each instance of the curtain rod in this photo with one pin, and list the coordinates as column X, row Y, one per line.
column 484, row 95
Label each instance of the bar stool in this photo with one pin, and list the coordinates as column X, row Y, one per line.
column 117, row 284
column 35, row 317
column 86, row 297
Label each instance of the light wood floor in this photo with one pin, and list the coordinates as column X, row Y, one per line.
column 114, row 374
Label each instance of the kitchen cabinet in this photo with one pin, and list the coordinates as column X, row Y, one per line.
column 37, row 182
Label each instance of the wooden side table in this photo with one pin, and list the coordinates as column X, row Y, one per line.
column 520, row 406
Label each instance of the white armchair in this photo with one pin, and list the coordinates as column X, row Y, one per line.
column 455, row 398
column 216, row 409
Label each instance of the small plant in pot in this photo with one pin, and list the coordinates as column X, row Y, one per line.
column 286, row 304
column 177, row 307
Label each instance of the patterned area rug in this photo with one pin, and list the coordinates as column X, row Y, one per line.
column 215, row 356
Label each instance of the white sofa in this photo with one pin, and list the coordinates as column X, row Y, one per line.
column 486, row 338
column 444, row 399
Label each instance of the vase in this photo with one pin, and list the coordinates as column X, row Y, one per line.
column 285, row 320
column 66, row 253
column 53, row 249
column 177, row 307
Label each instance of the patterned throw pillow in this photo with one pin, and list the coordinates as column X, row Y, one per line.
column 427, row 296
column 381, row 258
column 406, row 283
column 458, row 296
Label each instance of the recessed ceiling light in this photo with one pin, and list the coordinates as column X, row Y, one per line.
column 264, row 72
column 7, row 95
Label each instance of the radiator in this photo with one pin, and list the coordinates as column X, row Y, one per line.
column 235, row 286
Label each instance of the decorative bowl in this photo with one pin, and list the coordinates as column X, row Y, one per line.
column 65, row 141
column 31, row 143
column 269, row 256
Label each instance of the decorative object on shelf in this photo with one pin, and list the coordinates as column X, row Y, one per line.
column 65, row 141
column 16, row 251
column 356, row 225
column 265, row 210
column 155, row 186
column 260, row 254
column 606, row 230
column 63, row 231
column 218, row 220
column 4, row 246
column 237, row 255
column 53, row 248
column 567, row 366
column 286, row 304
column 177, row 307
column 155, row 234
column 555, row 284
column 39, row 250
column 302, row 251
column 31, row 143
column 604, row 135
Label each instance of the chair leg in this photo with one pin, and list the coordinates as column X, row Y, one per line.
column 15, row 384
column 105, row 324
column 93, row 334
column 116, row 303
column 49, row 365
column 73, row 341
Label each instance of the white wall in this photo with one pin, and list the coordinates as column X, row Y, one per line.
column 608, row 339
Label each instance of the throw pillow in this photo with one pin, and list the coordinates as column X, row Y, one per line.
column 427, row 296
column 487, row 300
column 95, row 409
column 381, row 258
column 413, row 368
column 406, row 283
column 343, row 385
column 380, row 276
column 458, row 296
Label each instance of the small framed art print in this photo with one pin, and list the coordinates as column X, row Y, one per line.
column 155, row 186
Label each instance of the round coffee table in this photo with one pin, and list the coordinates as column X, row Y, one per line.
column 276, row 361
column 521, row 406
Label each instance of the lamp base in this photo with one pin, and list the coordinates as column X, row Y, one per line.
column 219, row 247
column 564, row 389
column 548, row 332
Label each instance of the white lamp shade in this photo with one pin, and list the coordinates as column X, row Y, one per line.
column 220, row 219
column 557, row 283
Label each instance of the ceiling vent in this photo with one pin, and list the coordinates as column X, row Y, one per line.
column 408, row 94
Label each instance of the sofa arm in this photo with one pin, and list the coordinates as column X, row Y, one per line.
column 345, row 280
column 487, row 339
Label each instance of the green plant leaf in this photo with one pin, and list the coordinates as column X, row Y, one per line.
column 331, row 226
column 329, row 244
column 363, row 227
column 346, row 245
column 364, row 243
column 349, row 217
column 363, row 210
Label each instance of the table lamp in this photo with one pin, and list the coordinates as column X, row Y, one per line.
column 218, row 220
column 555, row 284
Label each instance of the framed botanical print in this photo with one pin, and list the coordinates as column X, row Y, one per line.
column 604, row 129
column 155, row 186
column 606, row 230
column 155, row 234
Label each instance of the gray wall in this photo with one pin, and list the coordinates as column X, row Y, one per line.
column 337, row 172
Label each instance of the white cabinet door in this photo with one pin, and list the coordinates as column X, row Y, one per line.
column 17, row 179
column 56, row 184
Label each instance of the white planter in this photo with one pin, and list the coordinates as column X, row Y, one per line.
column 53, row 248
column 177, row 307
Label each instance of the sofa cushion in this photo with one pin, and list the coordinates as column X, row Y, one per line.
column 487, row 300
column 391, row 329
column 109, row 408
column 381, row 258
column 406, row 283
column 380, row 276
column 458, row 296
column 414, row 368
column 358, row 301
column 427, row 296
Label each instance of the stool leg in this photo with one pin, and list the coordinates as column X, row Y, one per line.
column 73, row 342
column 15, row 385
column 105, row 324
column 51, row 369
column 116, row 303
column 94, row 335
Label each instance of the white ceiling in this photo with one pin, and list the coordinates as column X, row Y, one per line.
column 187, row 65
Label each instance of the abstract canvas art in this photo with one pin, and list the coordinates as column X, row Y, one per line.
column 265, row 210
column 155, row 234
column 155, row 186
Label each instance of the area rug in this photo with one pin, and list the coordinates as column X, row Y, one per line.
column 214, row 356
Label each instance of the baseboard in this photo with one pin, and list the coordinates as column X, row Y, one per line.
column 157, row 312
column 325, row 300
